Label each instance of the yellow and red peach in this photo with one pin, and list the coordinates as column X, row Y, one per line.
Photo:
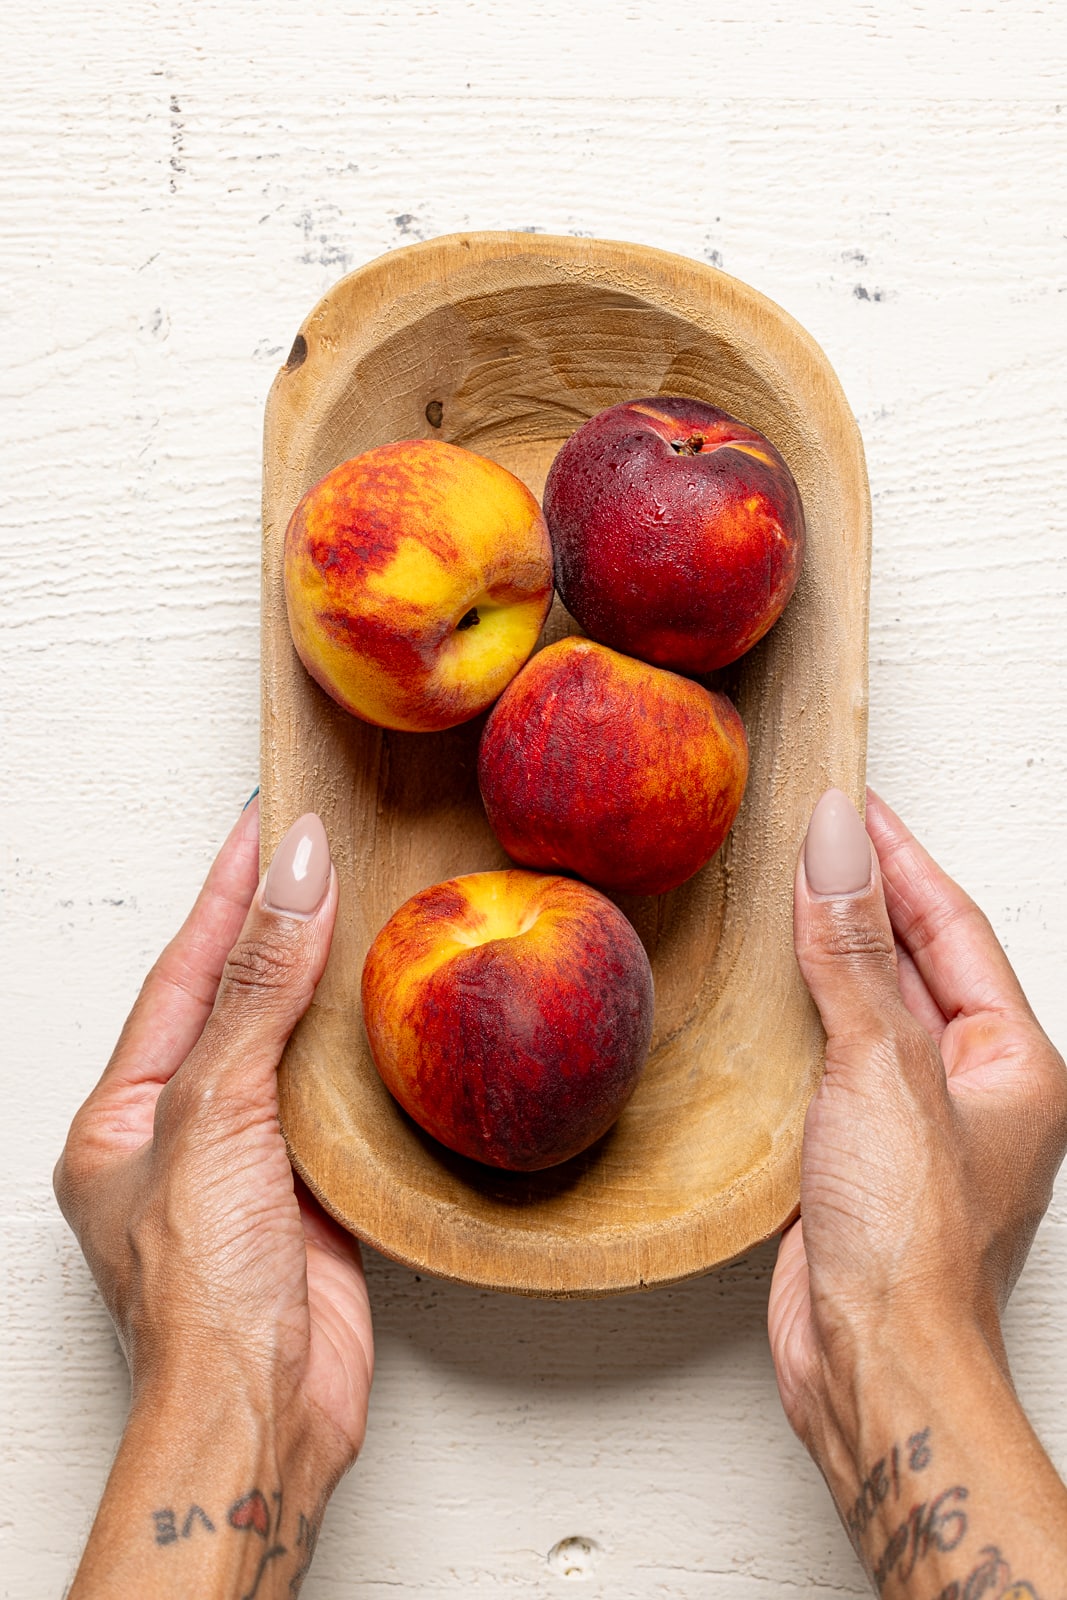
column 417, row 579
column 595, row 763
column 678, row 531
column 510, row 1014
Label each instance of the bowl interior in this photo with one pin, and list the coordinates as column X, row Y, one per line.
column 506, row 349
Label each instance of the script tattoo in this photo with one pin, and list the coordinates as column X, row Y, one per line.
column 883, row 1480
column 252, row 1515
column 937, row 1524
column 934, row 1525
column 166, row 1524
column 992, row 1572
column 992, row 1576
column 306, row 1539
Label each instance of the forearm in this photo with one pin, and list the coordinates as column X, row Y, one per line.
column 941, row 1482
column 207, row 1496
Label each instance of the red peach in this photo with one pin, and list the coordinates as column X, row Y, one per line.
column 678, row 531
column 509, row 1013
column 598, row 764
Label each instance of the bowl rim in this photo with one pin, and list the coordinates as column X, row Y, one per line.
column 766, row 1198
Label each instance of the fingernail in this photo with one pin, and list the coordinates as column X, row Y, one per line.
column 299, row 875
column 251, row 797
column 837, row 851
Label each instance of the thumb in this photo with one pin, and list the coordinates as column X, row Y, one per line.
column 841, row 928
column 267, row 982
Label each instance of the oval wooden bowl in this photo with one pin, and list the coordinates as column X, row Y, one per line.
column 505, row 343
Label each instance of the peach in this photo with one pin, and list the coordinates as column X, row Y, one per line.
column 623, row 773
column 510, row 1013
column 417, row 579
column 678, row 531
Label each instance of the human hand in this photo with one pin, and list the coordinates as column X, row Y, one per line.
column 930, row 1150
column 932, row 1142
column 236, row 1300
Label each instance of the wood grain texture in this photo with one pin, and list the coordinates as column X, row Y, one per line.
column 180, row 183
column 515, row 341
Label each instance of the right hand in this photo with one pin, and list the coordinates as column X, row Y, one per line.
column 932, row 1142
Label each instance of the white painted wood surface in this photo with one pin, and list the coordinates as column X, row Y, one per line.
column 179, row 184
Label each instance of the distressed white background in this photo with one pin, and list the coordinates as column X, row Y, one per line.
column 179, row 183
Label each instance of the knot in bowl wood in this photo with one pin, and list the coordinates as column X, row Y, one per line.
column 505, row 343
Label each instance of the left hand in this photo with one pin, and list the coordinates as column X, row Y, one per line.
column 221, row 1274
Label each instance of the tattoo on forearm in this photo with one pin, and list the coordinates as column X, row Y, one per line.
column 166, row 1524
column 937, row 1524
column 991, row 1577
column 884, row 1479
column 306, row 1538
column 252, row 1514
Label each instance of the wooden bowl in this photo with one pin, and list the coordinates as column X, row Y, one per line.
column 505, row 343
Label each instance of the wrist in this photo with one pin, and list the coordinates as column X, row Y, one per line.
column 929, row 1458
column 223, row 1431
column 194, row 1400
column 212, row 1492
column 877, row 1387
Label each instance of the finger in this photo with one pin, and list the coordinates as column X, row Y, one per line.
column 266, row 986
column 177, row 996
column 917, row 997
column 951, row 942
column 844, row 942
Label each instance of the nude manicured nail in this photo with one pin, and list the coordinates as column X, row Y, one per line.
column 299, row 875
column 837, row 851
